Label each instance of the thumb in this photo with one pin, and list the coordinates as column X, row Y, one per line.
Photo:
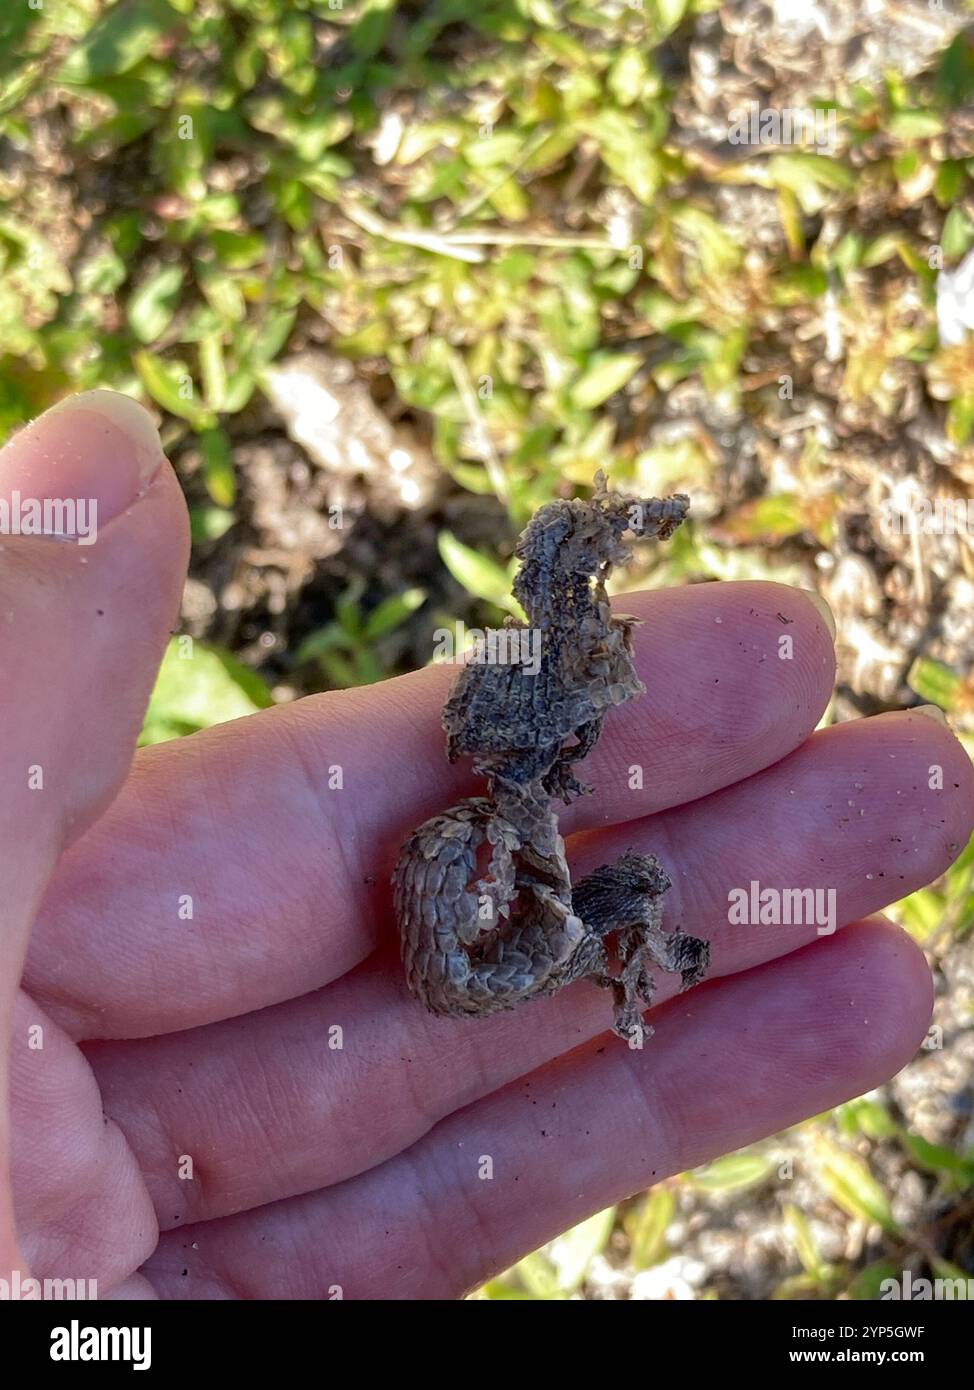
column 84, row 618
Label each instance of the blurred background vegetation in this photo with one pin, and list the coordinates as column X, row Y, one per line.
column 391, row 274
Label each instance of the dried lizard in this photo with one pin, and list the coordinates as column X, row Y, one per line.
column 487, row 913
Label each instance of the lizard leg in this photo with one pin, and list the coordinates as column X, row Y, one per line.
column 626, row 898
column 561, row 781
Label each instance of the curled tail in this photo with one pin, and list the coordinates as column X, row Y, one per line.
column 484, row 921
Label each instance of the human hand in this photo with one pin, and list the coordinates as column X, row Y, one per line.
column 278, row 1164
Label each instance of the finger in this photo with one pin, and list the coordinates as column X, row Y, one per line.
column 84, row 622
column 730, row 1063
column 82, row 627
column 282, row 829
column 135, row 1289
column 80, row 1201
column 287, row 1073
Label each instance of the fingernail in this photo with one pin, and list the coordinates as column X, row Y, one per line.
column 89, row 458
column 931, row 712
column 828, row 617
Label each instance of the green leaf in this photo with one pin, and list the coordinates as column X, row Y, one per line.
column 199, row 686
column 539, row 1277
column 213, row 370
column 392, row 612
column 316, row 644
column 606, row 374
column 945, row 1269
column 732, row 1173
column 810, row 176
column 851, row 1186
column 790, row 213
column 960, row 419
column 882, row 249
column 646, row 1227
column 369, row 34
column 628, row 76
column 825, row 1284
column 868, row 1283
column 774, row 517
column 295, row 204
column 238, row 250
column 170, row 385
column 922, row 913
column 800, row 1231
column 949, row 184
column 955, row 77
column 867, row 1117
column 670, row 12
column 496, row 1290
column 934, row 683
column 222, row 292
column 275, row 329
column 348, row 608
column 209, row 523
column 478, row 574
column 151, row 307
column 240, row 388
column 572, row 1253
column 936, row 1158
column 102, row 273
column 718, row 252
column 111, row 134
column 915, row 125
column 119, row 40
column 503, row 147
column 347, row 672
column 957, row 236
column 628, row 150
column 218, row 470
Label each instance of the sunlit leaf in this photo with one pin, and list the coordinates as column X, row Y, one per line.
column 218, row 470
column 934, row 682
column 170, row 385
column 151, row 307
column 646, row 1226
column 572, row 1253
column 850, row 1184
column 868, row 1283
column 392, row 612
column 606, row 374
column 733, row 1173
column 198, row 686
column 796, row 1223
column 123, row 36
column 479, row 574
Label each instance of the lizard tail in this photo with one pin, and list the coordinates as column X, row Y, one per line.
column 484, row 922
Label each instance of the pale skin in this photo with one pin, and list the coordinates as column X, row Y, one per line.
column 359, row 1168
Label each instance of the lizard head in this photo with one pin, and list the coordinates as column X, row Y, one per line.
column 653, row 516
column 573, row 541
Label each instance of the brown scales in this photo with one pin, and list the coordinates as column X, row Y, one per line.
column 487, row 913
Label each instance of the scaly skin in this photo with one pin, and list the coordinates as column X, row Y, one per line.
column 484, row 898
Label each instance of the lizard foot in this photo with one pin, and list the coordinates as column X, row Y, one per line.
column 625, row 898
